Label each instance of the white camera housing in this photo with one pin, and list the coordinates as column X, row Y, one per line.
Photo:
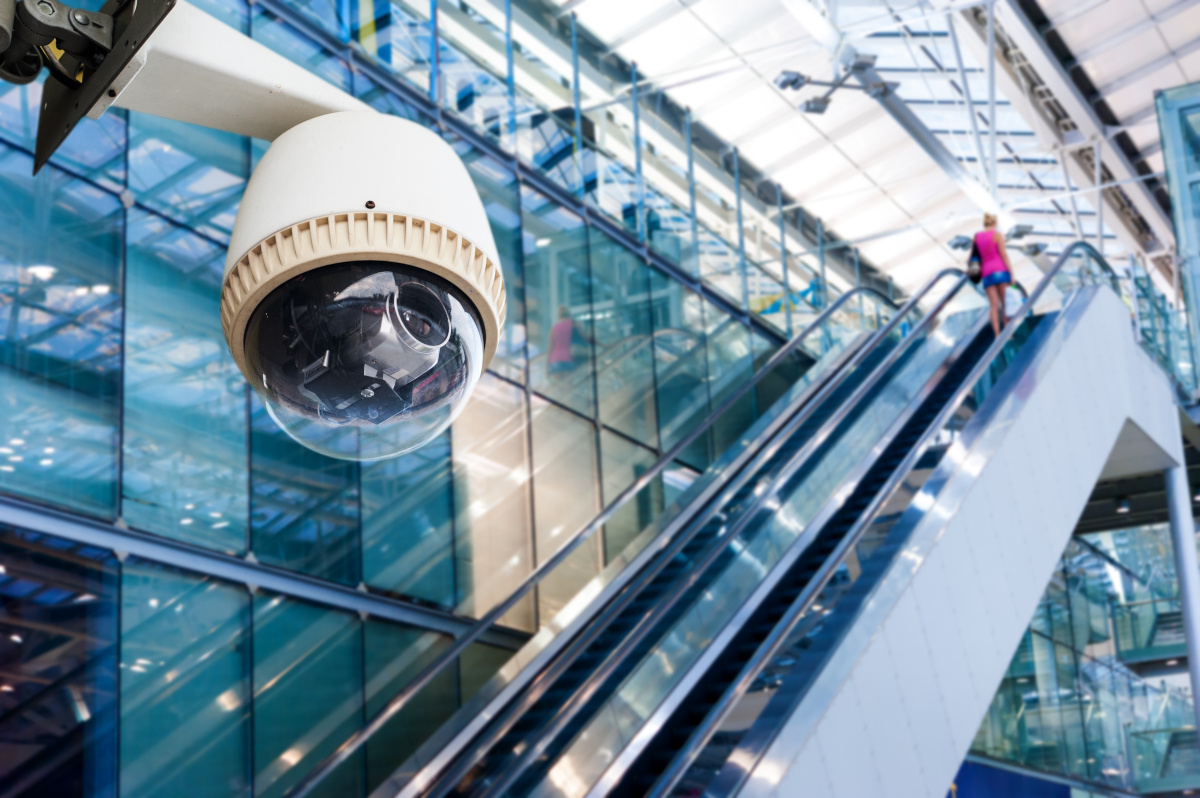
column 363, row 191
column 362, row 295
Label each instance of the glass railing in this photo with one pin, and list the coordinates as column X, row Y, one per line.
column 1166, row 760
column 1148, row 630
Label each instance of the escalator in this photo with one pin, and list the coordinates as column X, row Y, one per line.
column 673, row 673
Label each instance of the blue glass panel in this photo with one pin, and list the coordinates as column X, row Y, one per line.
column 289, row 42
column 234, row 13
column 303, row 505
column 95, row 149
column 397, row 35
column 621, row 462
column 680, row 365
column 60, row 345
column 558, row 302
column 730, row 366
column 408, row 524
column 191, row 174
column 624, row 333
column 394, row 655
column 59, row 667
column 374, row 92
column 185, row 473
column 308, row 688
column 185, row 684
column 497, row 186
column 471, row 59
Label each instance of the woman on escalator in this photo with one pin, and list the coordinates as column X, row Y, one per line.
column 996, row 269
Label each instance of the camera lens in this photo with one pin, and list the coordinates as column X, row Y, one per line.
column 366, row 359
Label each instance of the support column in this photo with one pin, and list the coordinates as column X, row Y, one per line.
column 1187, row 569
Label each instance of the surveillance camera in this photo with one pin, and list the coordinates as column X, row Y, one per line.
column 362, row 296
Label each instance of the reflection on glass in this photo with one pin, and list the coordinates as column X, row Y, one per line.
column 491, row 500
column 304, row 507
column 288, row 41
column 680, row 366
column 58, row 667
column 185, row 686
column 60, row 344
column 397, row 36
column 623, row 462
column 190, row 174
column 730, row 366
column 624, row 333
column 308, row 673
column 564, row 479
column 185, row 471
column 558, row 302
column 408, row 524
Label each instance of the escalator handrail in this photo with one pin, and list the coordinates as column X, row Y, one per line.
column 665, row 603
column 769, row 649
column 449, row 656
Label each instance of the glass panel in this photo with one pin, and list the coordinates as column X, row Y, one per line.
column 185, row 687
column 303, row 506
column 564, row 480
column 190, row 174
column 408, row 524
column 286, row 40
column 60, row 346
column 624, row 333
column 498, row 189
column 186, row 473
column 558, row 302
column 308, row 690
column 622, row 462
column 394, row 655
column 680, row 366
column 58, row 733
column 472, row 62
column 95, row 150
column 730, row 366
column 398, row 37
column 491, row 500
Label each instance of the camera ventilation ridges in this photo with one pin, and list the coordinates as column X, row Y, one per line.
column 365, row 235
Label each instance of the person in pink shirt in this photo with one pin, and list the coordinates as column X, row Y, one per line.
column 995, row 269
column 562, row 337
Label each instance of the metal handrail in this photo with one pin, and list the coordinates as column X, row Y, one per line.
column 771, row 646
column 666, row 603
column 304, row 787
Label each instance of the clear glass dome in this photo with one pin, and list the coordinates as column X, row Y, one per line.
column 364, row 360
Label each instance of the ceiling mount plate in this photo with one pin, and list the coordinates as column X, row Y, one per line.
column 63, row 107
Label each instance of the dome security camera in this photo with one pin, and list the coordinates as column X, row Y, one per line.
column 362, row 298
column 362, row 295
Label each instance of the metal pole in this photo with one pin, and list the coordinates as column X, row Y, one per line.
column 1183, row 538
column 741, row 232
column 858, row 284
column 578, row 108
column 962, row 76
column 991, row 45
column 637, row 156
column 821, row 261
column 1099, row 199
column 783, row 264
column 1133, row 292
column 691, row 169
column 435, row 80
column 510, row 74
column 1062, row 162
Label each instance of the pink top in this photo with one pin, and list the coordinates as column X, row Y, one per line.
column 989, row 253
column 560, row 341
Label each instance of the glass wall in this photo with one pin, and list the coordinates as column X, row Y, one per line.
column 120, row 676
column 1068, row 704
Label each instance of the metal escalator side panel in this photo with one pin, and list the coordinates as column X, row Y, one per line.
column 802, row 697
column 663, row 731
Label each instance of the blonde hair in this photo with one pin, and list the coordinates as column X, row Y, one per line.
column 989, row 220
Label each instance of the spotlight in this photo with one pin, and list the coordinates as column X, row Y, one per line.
column 960, row 242
column 1018, row 232
column 1032, row 250
column 815, row 105
column 791, row 80
column 1123, row 506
